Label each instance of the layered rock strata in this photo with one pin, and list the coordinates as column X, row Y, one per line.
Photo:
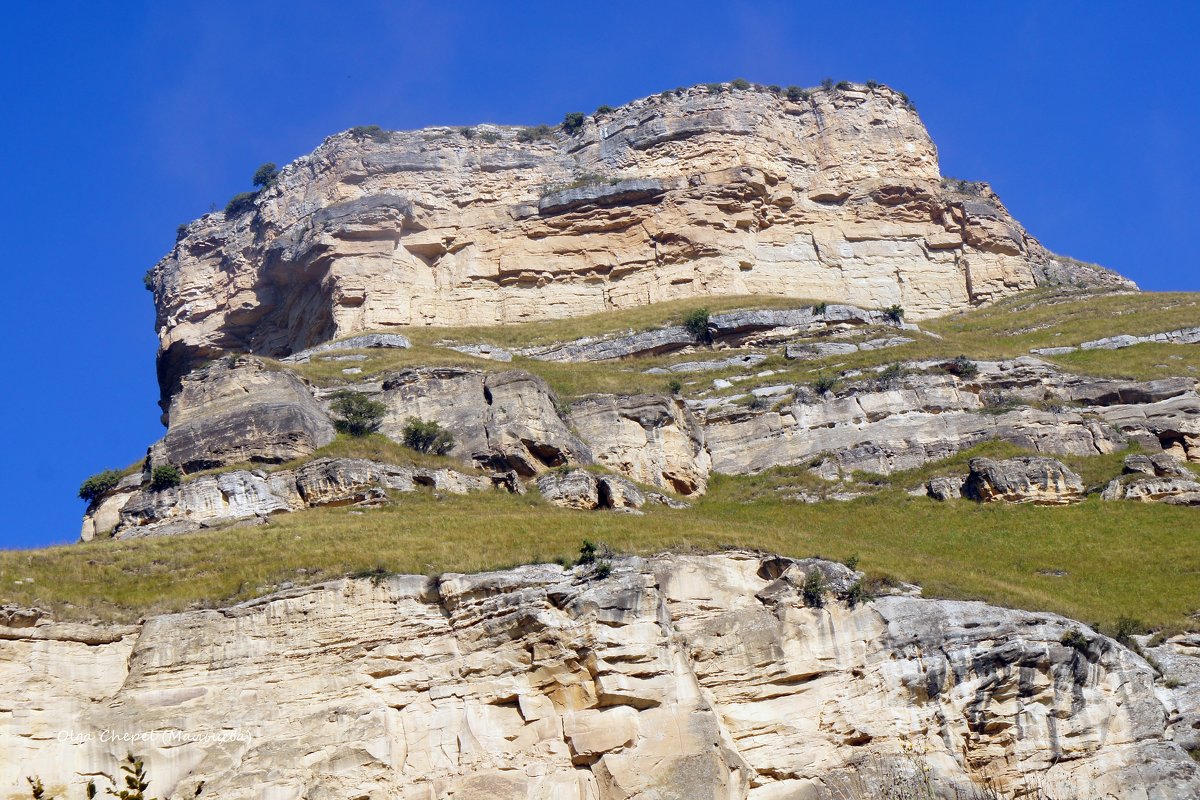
column 677, row 676
column 687, row 194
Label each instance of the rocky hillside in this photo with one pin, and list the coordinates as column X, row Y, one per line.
column 716, row 319
column 701, row 192
column 738, row 677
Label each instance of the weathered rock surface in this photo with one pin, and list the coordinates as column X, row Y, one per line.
column 1157, row 477
column 650, row 438
column 239, row 410
column 1041, row 481
column 682, row 195
column 500, row 420
column 365, row 342
column 1179, row 659
column 581, row 489
column 213, row 500
column 676, row 677
column 931, row 415
column 1181, row 336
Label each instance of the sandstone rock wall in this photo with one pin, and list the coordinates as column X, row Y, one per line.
column 683, row 195
column 679, row 676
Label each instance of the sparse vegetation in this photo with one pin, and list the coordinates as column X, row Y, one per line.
column 265, row 176
column 427, row 437
column 962, row 367
column 99, row 485
column 1075, row 639
column 714, row 88
column 827, row 84
column 819, row 309
column 180, row 232
column 573, row 122
column 796, row 94
column 356, row 414
column 372, row 132
column 240, row 203
column 895, row 313
column 165, row 476
column 872, row 85
column 740, row 84
column 675, row 386
column 534, row 133
column 467, row 133
column 696, row 322
column 148, row 280
column 843, row 85
column 490, row 137
column 814, row 588
column 602, row 109
column 824, row 384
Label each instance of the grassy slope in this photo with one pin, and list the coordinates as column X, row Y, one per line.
column 1123, row 559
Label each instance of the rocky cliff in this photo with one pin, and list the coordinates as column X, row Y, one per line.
column 741, row 677
column 691, row 193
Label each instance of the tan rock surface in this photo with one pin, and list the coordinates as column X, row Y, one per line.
column 682, row 195
column 679, row 676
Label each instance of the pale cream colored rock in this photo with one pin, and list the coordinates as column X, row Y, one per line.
column 697, row 195
column 678, row 676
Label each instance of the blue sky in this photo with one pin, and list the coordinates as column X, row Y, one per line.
column 122, row 120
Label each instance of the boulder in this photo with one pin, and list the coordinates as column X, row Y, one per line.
column 1041, row 481
column 240, row 410
column 586, row 490
column 945, row 488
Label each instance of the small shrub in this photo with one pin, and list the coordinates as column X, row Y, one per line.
column 490, row 137
column 534, row 133
column 99, row 485
column 852, row 562
column 467, row 133
column 858, row 594
column 240, row 203
column 895, row 313
column 36, row 790
column 824, row 384
column 962, row 367
column 905, row 99
column 827, row 84
column 819, row 309
column 587, row 552
column 1075, row 639
column 843, row 86
column 1125, row 629
column 602, row 570
column 998, row 402
column 135, row 778
column 741, row 84
column 714, row 88
column 872, row 85
column 774, row 89
column 814, row 589
column 266, row 175
column 180, row 232
column 357, row 414
column 427, row 437
column 696, row 322
column 602, row 109
column 891, row 375
column 796, row 94
column 373, row 132
column 165, row 476
column 573, row 123
column 675, row 386
column 148, row 280
column 758, row 403
column 377, row 574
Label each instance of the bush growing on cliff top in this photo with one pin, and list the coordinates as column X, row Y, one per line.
column 356, row 413
column 741, row 84
column 696, row 323
column 240, row 203
column 99, row 485
column 427, row 437
column 532, row 134
column 165, row 476
column 373, row 132
column 827, row 84
column 795, row 93
column 573, row 123
column 266, row 175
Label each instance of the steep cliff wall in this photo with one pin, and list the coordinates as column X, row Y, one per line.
column 675, row 677
column 685, row 194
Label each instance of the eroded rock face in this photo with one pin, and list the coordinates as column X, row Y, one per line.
column 500, row 420
column 240, row 410
column 1041, row 481
column 588, row 491
column 213, row 500
column 650, row 438
column 679, row 676
column 678, row 196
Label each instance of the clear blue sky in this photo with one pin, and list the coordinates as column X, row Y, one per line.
column 122, row 120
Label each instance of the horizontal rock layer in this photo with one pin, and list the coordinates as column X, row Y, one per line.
column 678, row 676
column 686, row 195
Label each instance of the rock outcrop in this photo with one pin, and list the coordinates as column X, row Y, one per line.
column 730, row 677
column 686, row 194
column 239, row 411
column 213, row 500
column 588, row 491
column 1155, row 478
column 1041, row 481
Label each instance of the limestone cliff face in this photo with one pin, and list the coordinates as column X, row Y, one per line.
column 675, row 677
column 686, row 194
